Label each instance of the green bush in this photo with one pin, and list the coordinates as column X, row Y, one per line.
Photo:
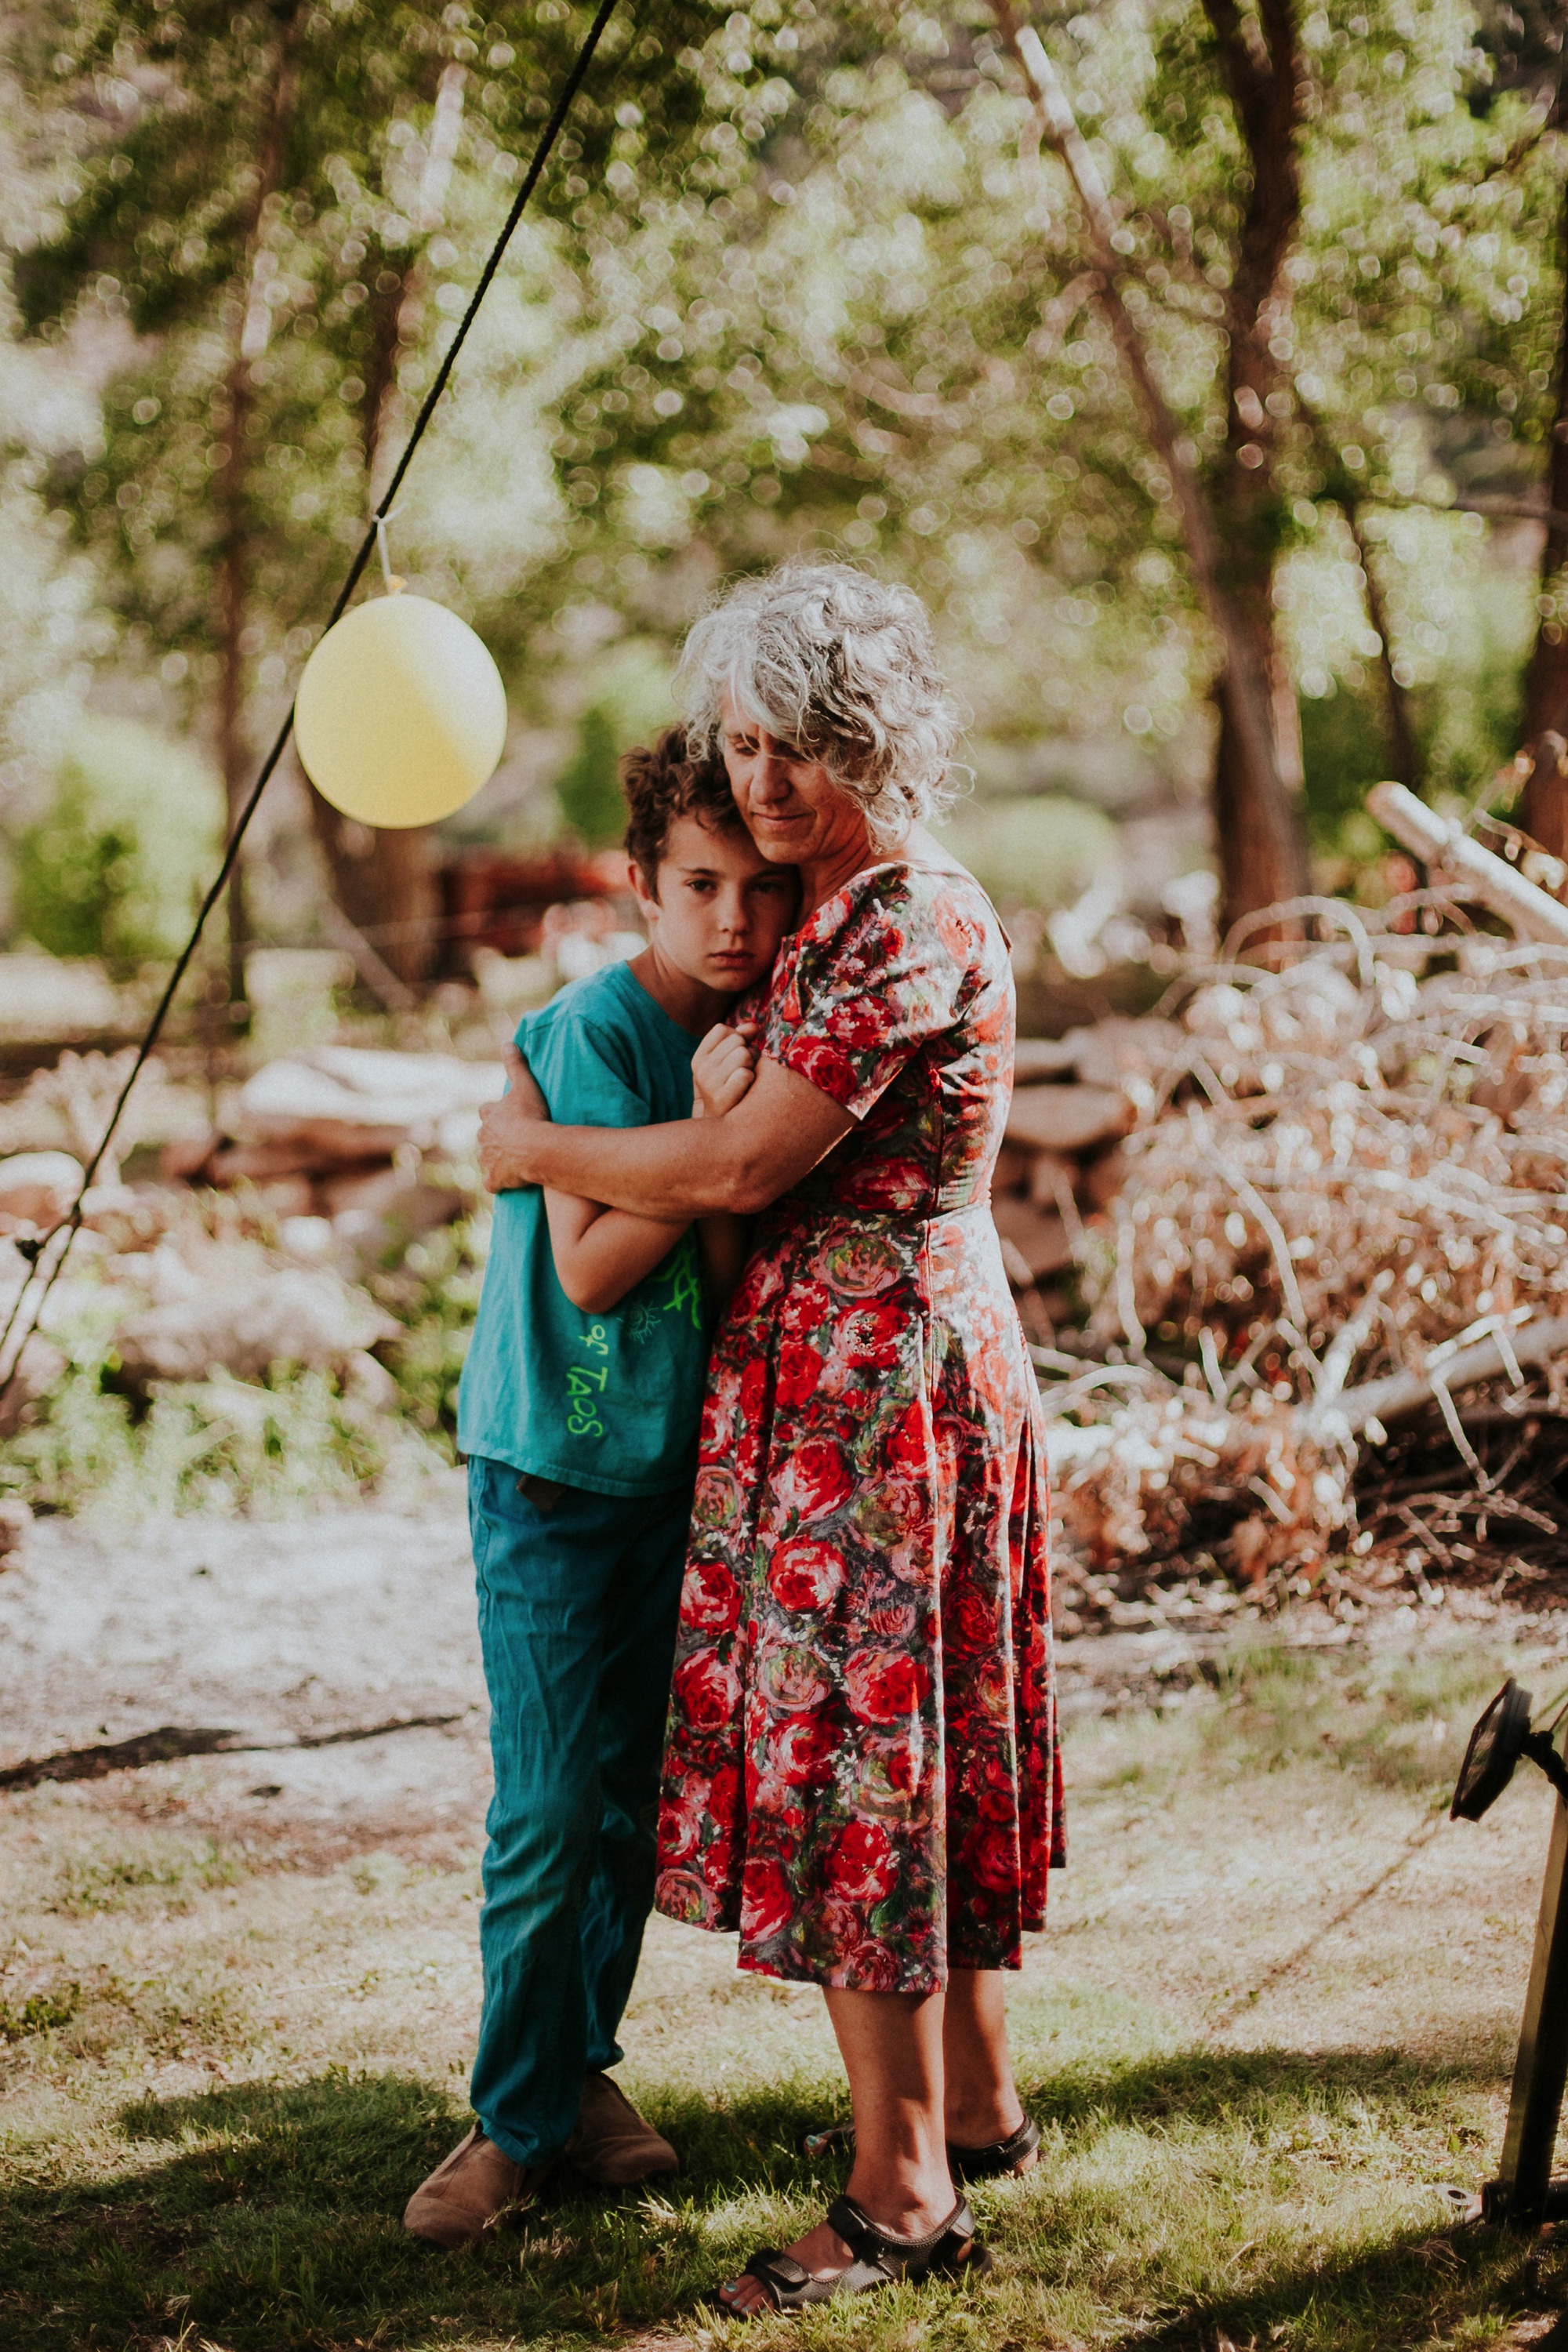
column 224, row 1444
column 628, row 702
column 589, row 787
column 114, row 867
column 1041, row 850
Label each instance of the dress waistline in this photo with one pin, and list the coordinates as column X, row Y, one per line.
column 789, row 1210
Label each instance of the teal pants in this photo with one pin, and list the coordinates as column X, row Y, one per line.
column 577, row 1613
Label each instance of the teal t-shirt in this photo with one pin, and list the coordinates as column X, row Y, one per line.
column 608, row 1402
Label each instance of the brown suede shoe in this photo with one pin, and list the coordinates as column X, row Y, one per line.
column 612, row 2145
column 469, row 2192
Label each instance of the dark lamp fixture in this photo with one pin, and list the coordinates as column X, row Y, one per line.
column 1524, row 2194
column 1501, row 1736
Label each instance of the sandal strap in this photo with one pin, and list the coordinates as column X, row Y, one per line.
column 881, row 2259
column 1000, row 2157
column 991, row 2162
column 770, row 2265
column 788, row 2283
column 885, row 2251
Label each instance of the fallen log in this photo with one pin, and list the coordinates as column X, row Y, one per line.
column 1401, row 1393
column 1533, row 913
column 1068, row 1118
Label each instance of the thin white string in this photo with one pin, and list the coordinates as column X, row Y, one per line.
column 392, row 583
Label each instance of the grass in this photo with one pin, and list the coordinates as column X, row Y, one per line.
column 1274, row 2014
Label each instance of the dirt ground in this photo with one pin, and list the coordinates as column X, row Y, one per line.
column 338, row 1656
column 1220, row 1899
column 327, row 1628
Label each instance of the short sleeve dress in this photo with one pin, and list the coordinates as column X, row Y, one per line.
column 861, row 1773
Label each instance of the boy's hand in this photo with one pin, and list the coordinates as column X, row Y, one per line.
column 724, row 1069
column 497, row 1120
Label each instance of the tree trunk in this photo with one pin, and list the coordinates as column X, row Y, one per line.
column 384, row 881
column 234, row 744
column 381, row 879
column 1258, row 806
column 1257, row 832
column 1257, row 787
column 1544, row 811
column 236, row 753
column 1404, row 753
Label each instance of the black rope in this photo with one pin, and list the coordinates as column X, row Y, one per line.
column 71, row 1224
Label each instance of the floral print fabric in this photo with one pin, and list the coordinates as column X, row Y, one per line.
column 861, row 1773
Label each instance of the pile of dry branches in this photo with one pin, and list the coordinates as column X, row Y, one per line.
column 1343, row 1206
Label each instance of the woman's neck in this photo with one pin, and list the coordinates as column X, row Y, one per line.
column 821, row 876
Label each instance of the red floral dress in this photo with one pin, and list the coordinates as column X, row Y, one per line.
column 861, row 1773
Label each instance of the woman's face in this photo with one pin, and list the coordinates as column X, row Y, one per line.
column 791, row 806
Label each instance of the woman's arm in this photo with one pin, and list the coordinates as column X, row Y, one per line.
column 601, row 1254
column 769, row 1141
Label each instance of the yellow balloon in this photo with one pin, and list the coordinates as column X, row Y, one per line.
column 401, row 713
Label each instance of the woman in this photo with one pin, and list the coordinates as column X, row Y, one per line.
column 860, row 1774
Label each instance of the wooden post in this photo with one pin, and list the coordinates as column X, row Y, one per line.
column 1521, row 2195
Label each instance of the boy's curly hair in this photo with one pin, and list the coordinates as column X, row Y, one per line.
column 667, row 780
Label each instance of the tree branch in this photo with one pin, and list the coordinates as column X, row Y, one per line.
column 1102, row 233
column 1401, row 731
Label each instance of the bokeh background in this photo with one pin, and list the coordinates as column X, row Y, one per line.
column 800, row 277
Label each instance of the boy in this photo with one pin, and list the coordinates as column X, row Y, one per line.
column 579, row 1411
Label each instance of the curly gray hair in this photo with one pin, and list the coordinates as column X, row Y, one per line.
column 841, row 665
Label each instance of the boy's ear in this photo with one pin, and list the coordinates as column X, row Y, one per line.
column 644, row 893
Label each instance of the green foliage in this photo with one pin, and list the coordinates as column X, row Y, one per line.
column 73, row 877
column 628, row 701
column 41, row 2013
column 432, row 1288
column 1039, row 852
column 226, row 1445
column 273, row 207
column 1470, row 725
column 114, row 867
column 219, row 1444
column 588, row 787
column 1344, row 748
column 791, row 280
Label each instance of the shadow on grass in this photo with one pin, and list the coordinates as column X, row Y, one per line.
column 1408, row 2290
column 268, row 2220
column 1208, row 2086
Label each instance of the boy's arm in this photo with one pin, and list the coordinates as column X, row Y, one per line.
column 601, row 1254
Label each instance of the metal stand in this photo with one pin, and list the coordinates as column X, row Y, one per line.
column 1524, row 2194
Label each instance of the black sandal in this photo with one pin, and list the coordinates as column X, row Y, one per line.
column 1014, row 2155
column 881, row 2258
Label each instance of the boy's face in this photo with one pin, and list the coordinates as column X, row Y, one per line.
column 721, row 909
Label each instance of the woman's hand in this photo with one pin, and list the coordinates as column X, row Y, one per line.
column 503, row 1126
column 724, row 1069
